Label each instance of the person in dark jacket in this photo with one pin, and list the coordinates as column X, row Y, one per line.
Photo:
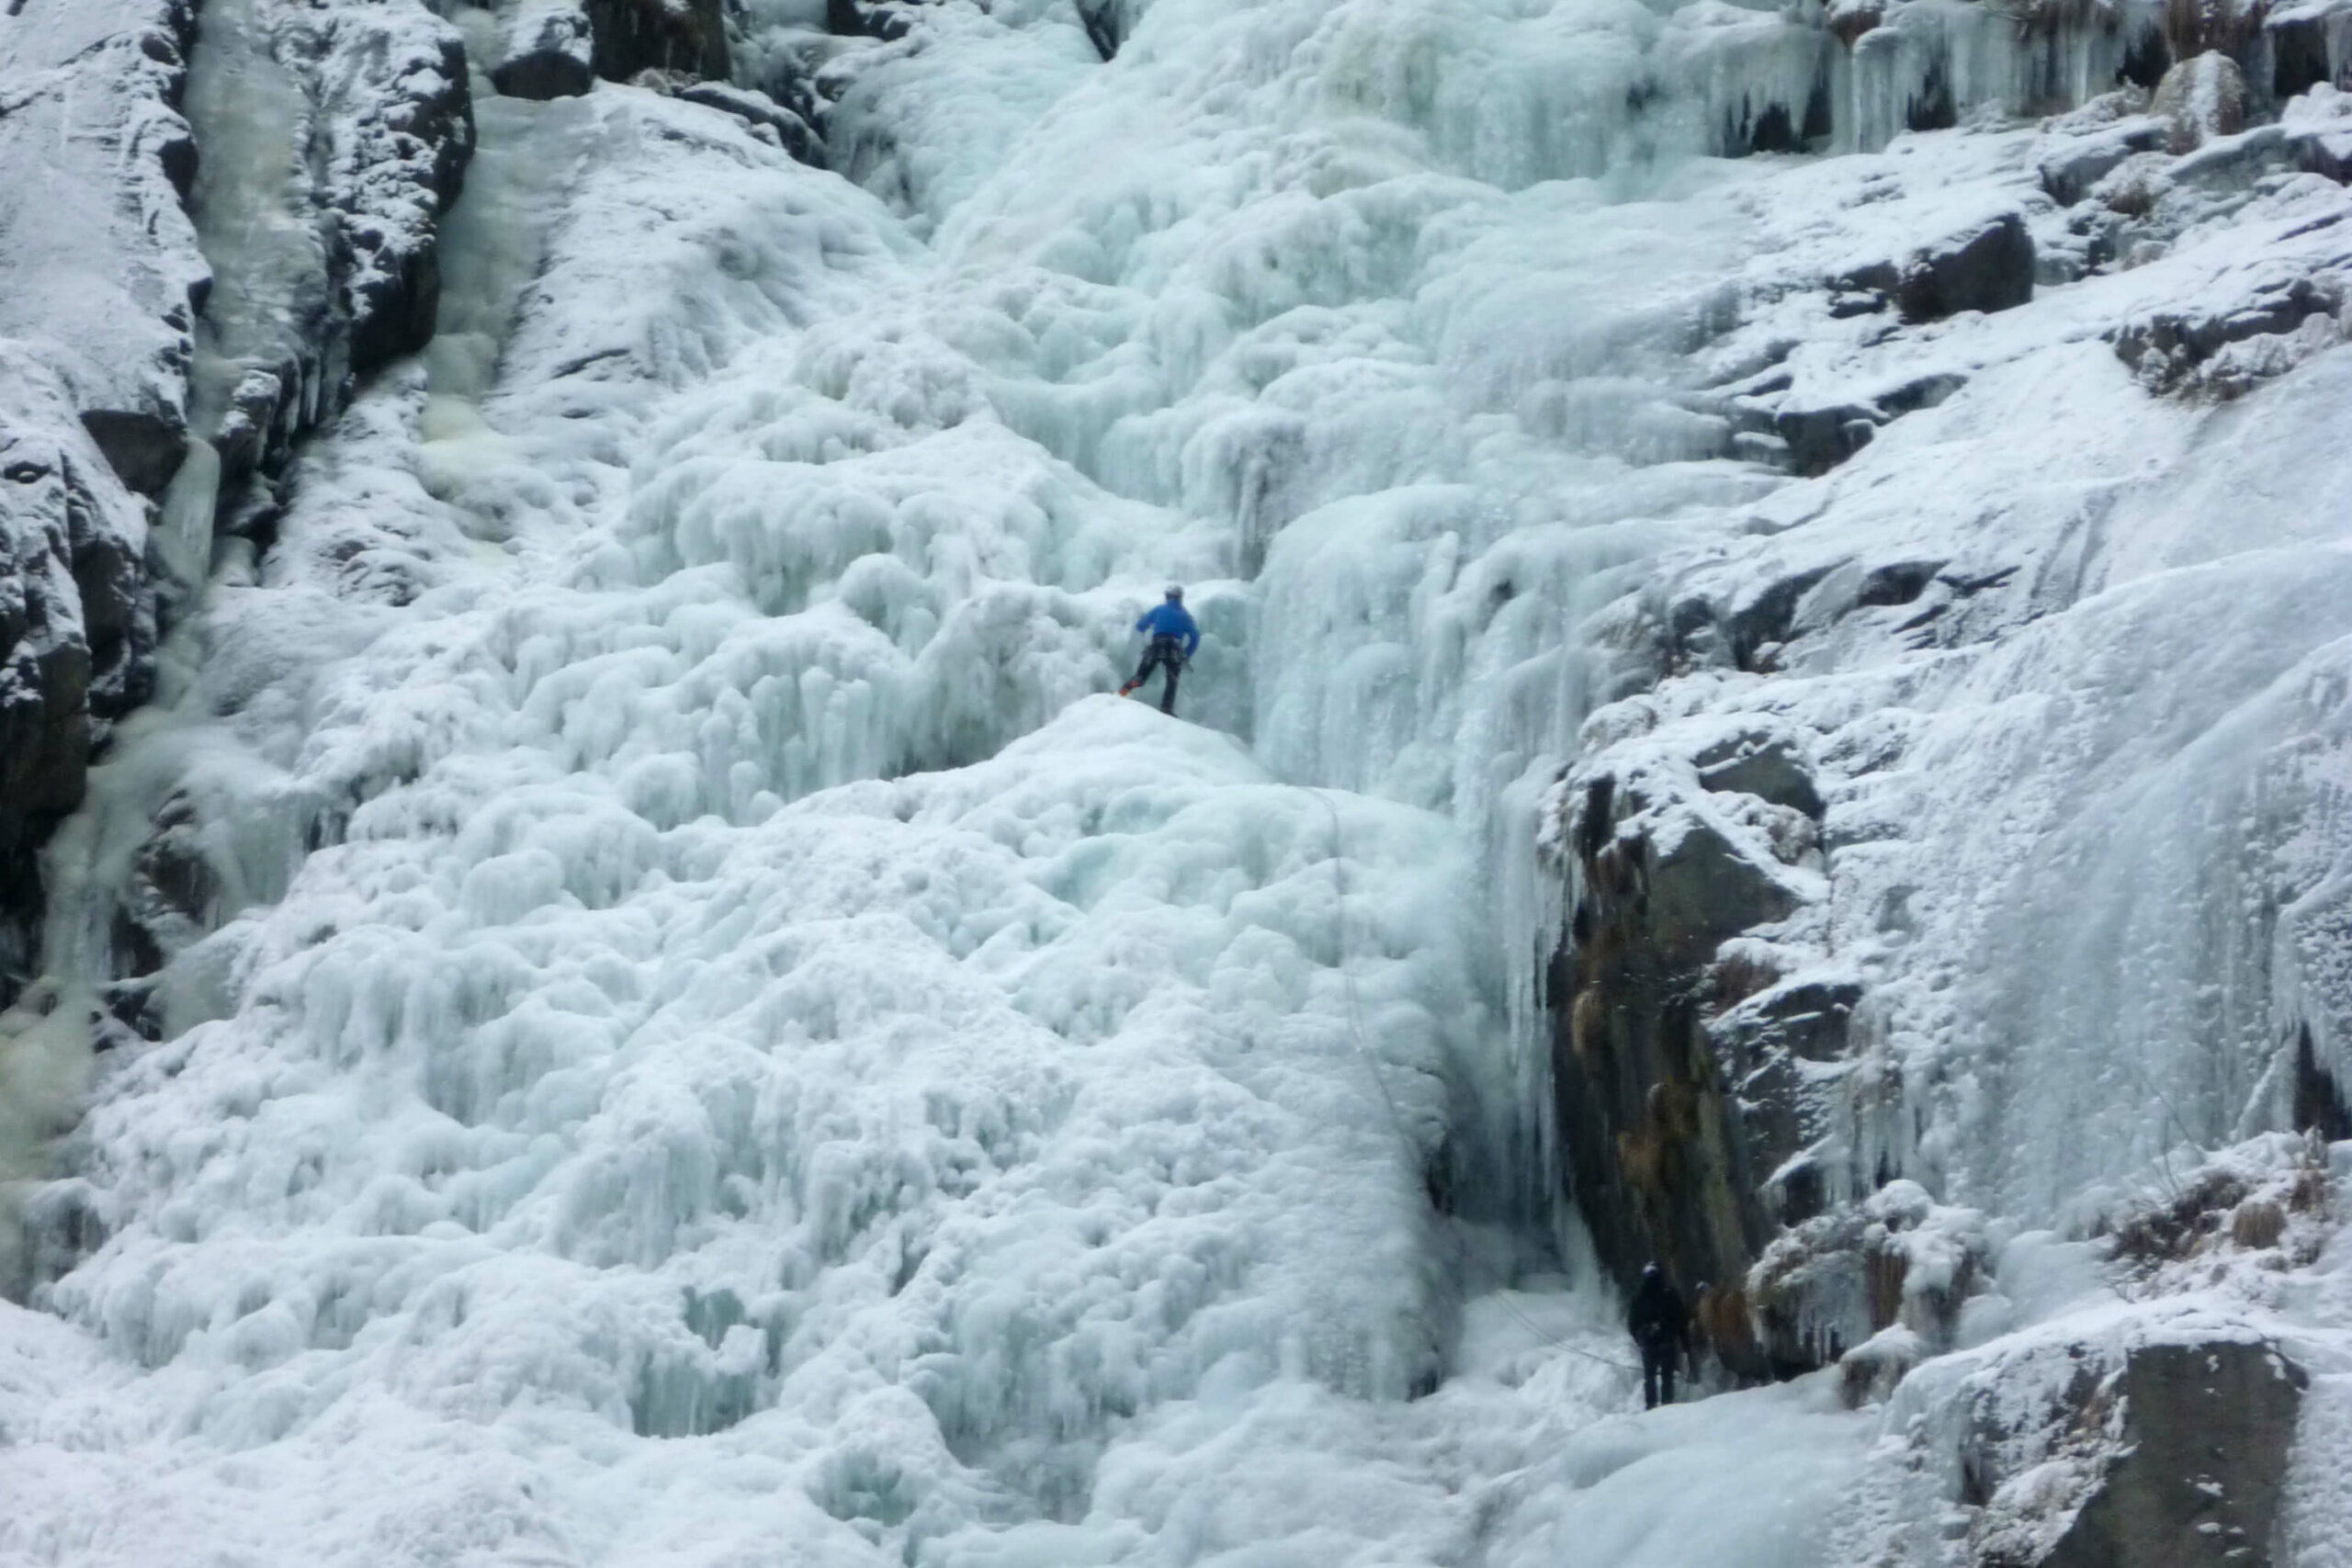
column 1661, row 1324
column 1175, row 635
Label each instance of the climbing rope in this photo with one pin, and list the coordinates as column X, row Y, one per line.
column 1395, row 1116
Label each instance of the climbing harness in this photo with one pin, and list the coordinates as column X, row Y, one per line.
column 1397, row 1117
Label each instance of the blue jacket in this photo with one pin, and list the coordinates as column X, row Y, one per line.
column 1172, row 619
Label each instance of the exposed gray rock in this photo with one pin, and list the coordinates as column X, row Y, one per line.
column 2206, row 1430
column 2163, row 1450
column 381, row 133
column 1768, row 1047
column 106, row 284
column 172, row 895
column 1762, row 614
column 1986, row 266
column 1983, row 265
column 1816, row 437
column 886, row 19
column 1105, row 26
column 398, row 120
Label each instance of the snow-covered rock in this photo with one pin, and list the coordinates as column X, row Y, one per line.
column 2199, row 99
column 2154, row 1444
column 103, row 276
column 754, row 108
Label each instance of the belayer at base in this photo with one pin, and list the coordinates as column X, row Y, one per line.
column 1175, row 635
column 1661, row 1324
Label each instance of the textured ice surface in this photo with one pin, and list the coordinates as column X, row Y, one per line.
column 724, row 1045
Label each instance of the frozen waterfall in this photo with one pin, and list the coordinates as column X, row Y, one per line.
column 651, row 1007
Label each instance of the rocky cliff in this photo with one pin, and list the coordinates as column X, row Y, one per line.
column 1781, row 865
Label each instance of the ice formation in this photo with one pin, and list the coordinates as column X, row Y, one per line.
column 652, row 1008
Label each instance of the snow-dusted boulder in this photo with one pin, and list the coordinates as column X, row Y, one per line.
column 1985, row 265
column 1981, row 261
column 546, row 51
column 2199, row 99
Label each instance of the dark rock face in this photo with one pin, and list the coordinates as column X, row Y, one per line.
column 105, row 294
column 2207, row 1429
column 76, row 636
column 1674, row 1107
column 391, row 93
column 1819, row 437
column 641, row 35
column 548, row 54
column 1767, row 767
column 1104, row 26
column 401, row 166
column 1988, row 266
column 144, row 447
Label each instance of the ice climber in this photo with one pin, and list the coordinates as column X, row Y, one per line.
column 1661, row 1324
column 1174, row 634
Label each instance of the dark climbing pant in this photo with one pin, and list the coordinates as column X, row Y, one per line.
column 1166, row 652
column 1658, row 1375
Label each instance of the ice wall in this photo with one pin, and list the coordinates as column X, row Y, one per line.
column 1110, row 1076
column 680, row 1017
